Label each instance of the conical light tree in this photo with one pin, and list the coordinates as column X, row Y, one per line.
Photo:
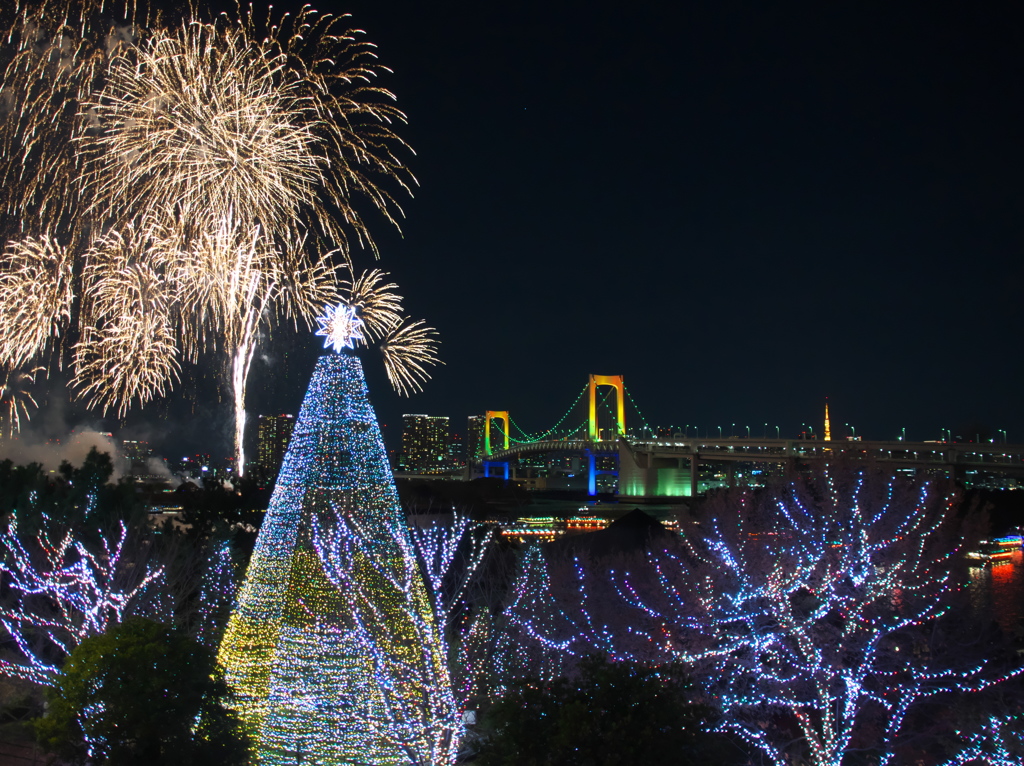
column 333, row 649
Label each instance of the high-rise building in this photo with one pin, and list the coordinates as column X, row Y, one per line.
column 143, row 465
column 273, row 434
column 424, row 444
column 456, row 450
column 137, row 453
column 475, row 437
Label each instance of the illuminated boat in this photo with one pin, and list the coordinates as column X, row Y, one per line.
column 992, row 551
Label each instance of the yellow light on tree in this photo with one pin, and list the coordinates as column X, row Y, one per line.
column 333, row 648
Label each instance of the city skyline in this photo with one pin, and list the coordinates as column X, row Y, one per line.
column 740, row 210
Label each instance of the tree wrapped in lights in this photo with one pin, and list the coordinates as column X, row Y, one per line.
column 564, row 606
column 812, row 613
column 999, row 742
column 815, row 615
column 62, row 590
column 540, row 638
column 333, row 649
column 467, row 576
column 409, row 658
column 216, row 596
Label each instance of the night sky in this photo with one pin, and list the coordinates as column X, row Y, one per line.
column 743, row 208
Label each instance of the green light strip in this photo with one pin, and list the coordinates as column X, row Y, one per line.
column 531, row 439
column 635, row 407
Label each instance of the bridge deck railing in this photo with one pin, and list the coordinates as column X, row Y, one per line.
column 772, row 450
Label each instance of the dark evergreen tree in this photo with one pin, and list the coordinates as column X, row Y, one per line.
column 142, row 694
column 607, row 714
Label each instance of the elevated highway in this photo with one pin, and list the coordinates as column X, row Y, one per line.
column 650, row 468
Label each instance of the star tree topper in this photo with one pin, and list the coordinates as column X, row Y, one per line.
column 340, row 326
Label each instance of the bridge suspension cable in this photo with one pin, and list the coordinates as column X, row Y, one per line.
column 532, row 438
column 603, row 404
column 567, row 432
column 528, row 438
column 632, row 401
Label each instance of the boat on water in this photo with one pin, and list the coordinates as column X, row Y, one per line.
column 994, row 551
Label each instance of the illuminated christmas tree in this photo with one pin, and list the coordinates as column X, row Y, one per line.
column 333, row 649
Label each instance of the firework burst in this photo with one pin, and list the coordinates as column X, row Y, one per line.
column 193, row 121
column 194, row 173
column 285, row 129
column 128, row 350
column 371, row 311
column 409, row 348
column 379, row 306
column 36, row 293
column 56, row 52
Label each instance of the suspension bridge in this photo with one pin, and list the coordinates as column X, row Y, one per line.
column 642, row 466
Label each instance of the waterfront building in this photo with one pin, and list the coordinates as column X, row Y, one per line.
column 456, row 450
column 273, row 434
column 475, row 437
column 424, row 444
column 137, row 453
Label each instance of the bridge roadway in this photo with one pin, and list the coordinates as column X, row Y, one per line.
column 989, row 457
column 658, row 467
column 605, row 447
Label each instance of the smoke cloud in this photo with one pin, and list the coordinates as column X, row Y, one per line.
column 51, row 452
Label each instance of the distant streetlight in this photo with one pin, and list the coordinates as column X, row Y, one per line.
column 719, row 432
column 854, row 430
column 777, row 432
column 748, row 431
column 948, row 434
column 732, row 430
column 903, row 438
column 1003, row 432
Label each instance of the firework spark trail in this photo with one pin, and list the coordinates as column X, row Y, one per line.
column 15, row 398
column 228, row 282
column 36, row 294
column 408, row 349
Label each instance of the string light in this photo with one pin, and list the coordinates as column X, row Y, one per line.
column 334, row 649
column 74, row 592
column 797, row 609
column 217, row 587
column 993, row 745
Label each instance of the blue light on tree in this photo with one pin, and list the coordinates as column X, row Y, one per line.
column 333, row 647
